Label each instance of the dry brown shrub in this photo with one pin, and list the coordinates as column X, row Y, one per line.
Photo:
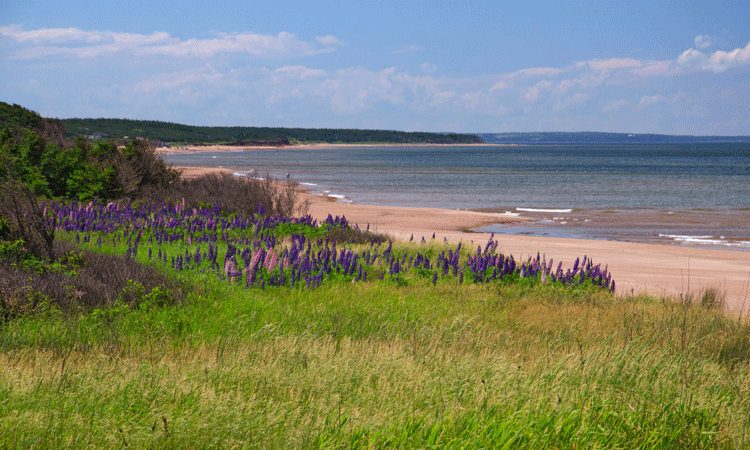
column 19, row 207
column 236, row 195
column 95, row 280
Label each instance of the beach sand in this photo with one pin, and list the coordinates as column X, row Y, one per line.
column 660, row 270
column 236, row 148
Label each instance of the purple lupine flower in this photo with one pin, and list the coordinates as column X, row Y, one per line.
column 272, row 263
column 230, row 267
column 489, row 243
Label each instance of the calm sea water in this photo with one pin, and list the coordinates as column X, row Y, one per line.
column 690, row 194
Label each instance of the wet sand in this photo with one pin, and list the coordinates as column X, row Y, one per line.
column 727, row 229
column 660, row 270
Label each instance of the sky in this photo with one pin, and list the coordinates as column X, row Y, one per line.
column 653, row 66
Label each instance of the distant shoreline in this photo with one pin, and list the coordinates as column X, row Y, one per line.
column 236, row 148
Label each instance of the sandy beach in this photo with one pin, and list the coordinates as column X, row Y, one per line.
column 235, row 148
column 660, row 270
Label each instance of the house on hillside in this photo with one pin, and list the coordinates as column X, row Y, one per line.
column 98, row 135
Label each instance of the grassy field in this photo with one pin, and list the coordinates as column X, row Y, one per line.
column 412, row 360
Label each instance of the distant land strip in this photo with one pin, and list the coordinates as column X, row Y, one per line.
column 584, row 137
column 126, row 129
column 167, row 132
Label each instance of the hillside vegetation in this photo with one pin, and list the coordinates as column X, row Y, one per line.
column 231, row 319
column 172, row 132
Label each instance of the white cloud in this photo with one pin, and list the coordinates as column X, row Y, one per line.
column 73, row 42
column 300, row 73
column 587, row 81
column 572, row 101
column 690, row 57
column 717, row 62
column 498, row 86
column 355, row 90
column 533, row 93
column 330, row 41
column 656, row 69
column 411, row 48
column 537, row 72
column 614, row 104
column 614, row 63
column 472, row 100
column 442, row 97
column 62, row 35
column 647, row 101
column 703, row 41
column 721, row 61
column 428, row 68
column 284, row 45
column 165, row 82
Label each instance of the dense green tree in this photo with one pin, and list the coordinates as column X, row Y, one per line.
column 172, row 132
column 19, row 159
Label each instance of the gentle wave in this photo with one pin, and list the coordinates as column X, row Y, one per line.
column 706, row 240
column 544, row 210
column 339, row 197
column 250, row 174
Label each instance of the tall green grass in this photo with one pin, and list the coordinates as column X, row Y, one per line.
column 378, row 365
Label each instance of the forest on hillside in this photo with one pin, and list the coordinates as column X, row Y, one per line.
column 172, row 132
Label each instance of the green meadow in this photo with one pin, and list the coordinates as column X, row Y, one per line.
column 395, row 363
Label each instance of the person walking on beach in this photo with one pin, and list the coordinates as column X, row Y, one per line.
column 287, row 175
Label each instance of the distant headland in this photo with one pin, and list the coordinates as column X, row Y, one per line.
column 586, row 137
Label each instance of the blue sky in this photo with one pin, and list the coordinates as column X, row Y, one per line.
column 581, row 65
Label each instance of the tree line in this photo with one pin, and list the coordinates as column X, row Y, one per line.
column 173, row 132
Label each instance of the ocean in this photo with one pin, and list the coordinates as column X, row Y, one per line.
column 684, row 194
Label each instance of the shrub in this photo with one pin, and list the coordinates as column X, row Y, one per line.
column 84, row 280
column 24, row 220
column 236, row 195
